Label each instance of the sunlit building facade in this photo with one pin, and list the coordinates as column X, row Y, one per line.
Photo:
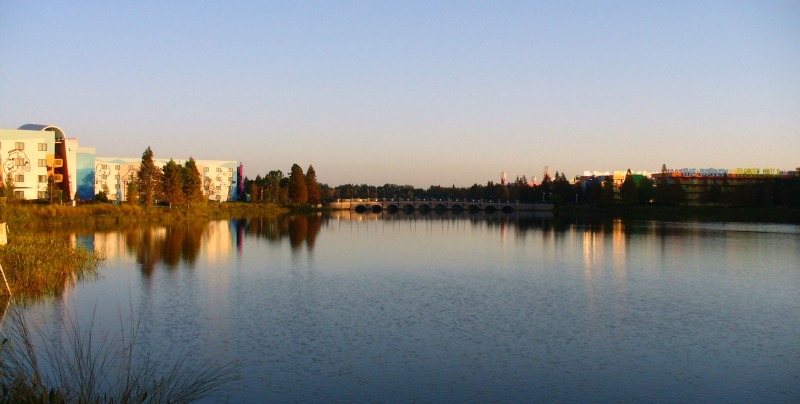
column 42, row 163
column 39, row 160
column 221, row 179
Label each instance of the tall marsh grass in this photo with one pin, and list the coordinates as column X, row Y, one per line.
column 73, row 364
column 104, row 214
column 38, row 264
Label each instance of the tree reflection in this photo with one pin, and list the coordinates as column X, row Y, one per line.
column 299, row 229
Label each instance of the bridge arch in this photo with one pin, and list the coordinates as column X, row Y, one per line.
column 507, row 209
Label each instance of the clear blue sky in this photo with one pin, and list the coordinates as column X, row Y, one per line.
column 407, row 92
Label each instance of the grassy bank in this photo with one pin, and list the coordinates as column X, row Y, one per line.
column 37, row 264
column 31, row 215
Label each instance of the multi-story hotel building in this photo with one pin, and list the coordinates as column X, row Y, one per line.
column 696, row 182
column 43, row 163
column 220, row 179
column 38, row 158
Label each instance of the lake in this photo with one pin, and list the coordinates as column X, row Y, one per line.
column 460, row 307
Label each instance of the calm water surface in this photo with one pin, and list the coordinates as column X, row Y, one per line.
column 462, row 308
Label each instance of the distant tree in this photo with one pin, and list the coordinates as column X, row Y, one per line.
column 132, row 193
column 172, row 183
column 562, row 192
column 273, row 186
column 312, row 188
column 607, row 194
column 297, row 185
column 645, row 190
column 149, row 178
column 629, row 192
column 192, row 182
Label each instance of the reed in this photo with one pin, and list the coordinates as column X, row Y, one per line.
column 71, row 363
column 39, row 264
column 32, row 215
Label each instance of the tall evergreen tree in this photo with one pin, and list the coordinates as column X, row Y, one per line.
column 132, row 193
column 172, row 183
column 297, row 186
column 192, row 182
column 628, row 192
column 312, row 188
column 149, row 178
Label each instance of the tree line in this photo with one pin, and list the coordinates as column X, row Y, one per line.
column 298, row 188
column 594, row 191
column 173, row 184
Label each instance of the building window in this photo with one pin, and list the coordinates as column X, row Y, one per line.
column 205, row 169
column 42, row 194
column 42, row 178
column 230, row 170
column 130, row 166
column 116, row 167
column 19, row 161
column 219, row 187
column 19, row 145
column 58, row 177
column 42, row 146
column 42, row 162
column 104, row 166
column 19, row 178
column 219, row 169
column 116, row 186
column 116, row 177
column 19, row 194
column 58, row 163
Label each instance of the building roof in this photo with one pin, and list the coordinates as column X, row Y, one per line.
column 37, row 127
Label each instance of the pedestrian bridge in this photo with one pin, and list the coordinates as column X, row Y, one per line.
column 423, row 205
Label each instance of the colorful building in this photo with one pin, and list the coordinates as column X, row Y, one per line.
column 44, row 164
column 39, row 160
column 701, row 186
column 221, row 179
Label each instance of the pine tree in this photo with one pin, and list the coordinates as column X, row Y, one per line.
column 297, row 186
column 628, row 192
column 312, row 187
column 172, row 183
column 132, row 193
column 148, row 176
column 192, row 182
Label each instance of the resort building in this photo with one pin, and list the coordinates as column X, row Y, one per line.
column 222, row 180
column 706, row 185
column 42, row 163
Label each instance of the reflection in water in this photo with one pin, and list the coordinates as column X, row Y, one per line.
column 469, row 307
column 170, row 246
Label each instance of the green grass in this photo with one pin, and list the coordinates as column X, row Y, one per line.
column 104, row 214
column 41, row 264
